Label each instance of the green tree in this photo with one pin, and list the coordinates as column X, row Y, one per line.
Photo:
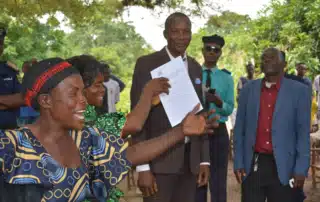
column 115, row 43
column 293, row 27
column 28, row 40
column 79, row 11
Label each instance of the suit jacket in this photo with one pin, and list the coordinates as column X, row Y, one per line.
column 157, row 123
column 290, row 128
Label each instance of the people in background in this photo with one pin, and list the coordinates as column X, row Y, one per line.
column 302, row 69
column 112, row 94
column 316, row 87
column 314, row 110
column 9, row 84
column 244, row 79
column 121, row 84
column 314, row 107
column 267, row 154
column 219, row 95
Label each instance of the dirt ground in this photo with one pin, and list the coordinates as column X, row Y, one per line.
column 313, row 195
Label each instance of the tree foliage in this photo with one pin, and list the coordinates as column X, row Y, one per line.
column 291, row 26
column 32, row 39
column 79, row 11
column 114, row 42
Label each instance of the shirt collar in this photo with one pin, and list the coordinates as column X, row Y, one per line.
column 171, row 56
column 269, row 85
column 213, row 70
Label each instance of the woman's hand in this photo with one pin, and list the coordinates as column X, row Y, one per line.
column 155, row 87
column 199, row 124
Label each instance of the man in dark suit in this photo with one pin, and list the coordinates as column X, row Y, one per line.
column 172, row 177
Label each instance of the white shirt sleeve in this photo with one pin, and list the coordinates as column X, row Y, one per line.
column 117, row 93
column 141, row 168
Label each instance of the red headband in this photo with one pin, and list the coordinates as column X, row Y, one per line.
column 41, row 80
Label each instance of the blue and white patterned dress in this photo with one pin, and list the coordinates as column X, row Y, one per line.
column 23, row 160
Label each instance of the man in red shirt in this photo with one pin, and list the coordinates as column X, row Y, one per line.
column 271, row 136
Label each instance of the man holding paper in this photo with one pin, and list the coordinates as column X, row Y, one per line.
column 173, row 176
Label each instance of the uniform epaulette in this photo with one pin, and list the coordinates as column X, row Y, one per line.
column 226, row 71
column 12, row 66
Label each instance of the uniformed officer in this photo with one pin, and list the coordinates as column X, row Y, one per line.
column 219, row 95
column 9, row 84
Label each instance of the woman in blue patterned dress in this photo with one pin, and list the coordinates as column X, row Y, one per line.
column 57, row 158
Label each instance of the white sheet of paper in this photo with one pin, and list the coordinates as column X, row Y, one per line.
column 182, row 96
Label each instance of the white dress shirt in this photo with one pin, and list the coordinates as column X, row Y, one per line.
column 146, row 167
column 113, row 90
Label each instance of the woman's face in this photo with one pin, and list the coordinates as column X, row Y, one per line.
column 67, row 103
column 94, row 93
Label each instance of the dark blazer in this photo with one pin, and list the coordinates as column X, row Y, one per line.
column 157, row 123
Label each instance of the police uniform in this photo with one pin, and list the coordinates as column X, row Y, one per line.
column 9, row 84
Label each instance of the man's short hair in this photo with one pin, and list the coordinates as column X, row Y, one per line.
column 174, row 16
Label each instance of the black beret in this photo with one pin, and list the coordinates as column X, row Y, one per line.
column 214, row 39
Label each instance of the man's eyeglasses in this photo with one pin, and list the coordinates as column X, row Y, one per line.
column 212, row 49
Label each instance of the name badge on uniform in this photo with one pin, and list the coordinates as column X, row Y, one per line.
column 197, row 81
column 8, row 79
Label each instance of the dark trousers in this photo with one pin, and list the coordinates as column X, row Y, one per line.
column 264, row 184
column 219, row 150
column 174, row 188
column 179, row 187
